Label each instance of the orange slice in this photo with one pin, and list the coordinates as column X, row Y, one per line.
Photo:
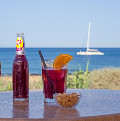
column 61, row 60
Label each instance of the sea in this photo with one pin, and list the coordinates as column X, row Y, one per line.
column 110, row 59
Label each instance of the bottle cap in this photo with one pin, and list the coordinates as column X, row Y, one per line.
column 20, row 34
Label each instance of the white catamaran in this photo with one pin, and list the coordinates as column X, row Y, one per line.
column 90, row 51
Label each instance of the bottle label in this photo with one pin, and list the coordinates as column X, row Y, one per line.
column 19, row 44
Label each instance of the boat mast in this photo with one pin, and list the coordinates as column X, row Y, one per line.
column 88, row 37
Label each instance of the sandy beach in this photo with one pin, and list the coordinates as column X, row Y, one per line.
column 106, row 78
column 35, row 81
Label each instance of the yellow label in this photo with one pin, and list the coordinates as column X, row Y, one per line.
column 19, row 44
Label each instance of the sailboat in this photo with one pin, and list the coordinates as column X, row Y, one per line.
column 90, row 51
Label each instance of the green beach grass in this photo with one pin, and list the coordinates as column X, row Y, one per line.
column 105, row 78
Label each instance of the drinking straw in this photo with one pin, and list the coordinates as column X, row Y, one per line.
column 42, row 59
column 46, row 72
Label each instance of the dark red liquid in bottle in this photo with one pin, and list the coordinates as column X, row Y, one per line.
column 20, row 77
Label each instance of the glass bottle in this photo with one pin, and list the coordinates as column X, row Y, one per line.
column 20, row 71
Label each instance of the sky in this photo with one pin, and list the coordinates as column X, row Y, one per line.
column 60, row 23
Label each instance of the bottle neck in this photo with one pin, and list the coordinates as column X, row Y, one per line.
column 20, row 46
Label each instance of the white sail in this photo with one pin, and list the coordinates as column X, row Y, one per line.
column 88, row 36
column 90, row 51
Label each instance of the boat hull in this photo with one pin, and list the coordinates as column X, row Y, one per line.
column 90, row 53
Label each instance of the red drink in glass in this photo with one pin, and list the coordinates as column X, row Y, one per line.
column 58, row 78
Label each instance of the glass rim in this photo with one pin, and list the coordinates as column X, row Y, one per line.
column 48, row 60
column 53, row 61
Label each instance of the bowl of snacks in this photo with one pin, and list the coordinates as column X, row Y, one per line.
column 67, row 100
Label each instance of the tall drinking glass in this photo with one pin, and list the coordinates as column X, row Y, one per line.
column 54, row 80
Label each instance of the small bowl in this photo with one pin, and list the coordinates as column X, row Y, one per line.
column 67, row 100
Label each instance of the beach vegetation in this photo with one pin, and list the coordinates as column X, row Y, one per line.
column 104, row 78
column 5, row 84
column 79, row 79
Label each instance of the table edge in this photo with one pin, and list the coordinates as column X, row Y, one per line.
column 109, row 117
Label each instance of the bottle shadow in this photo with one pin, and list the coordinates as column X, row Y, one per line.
column 20, row 109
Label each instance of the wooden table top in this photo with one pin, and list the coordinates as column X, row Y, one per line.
column 95, row 105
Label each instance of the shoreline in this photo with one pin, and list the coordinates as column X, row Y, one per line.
column 105, row 78
column 10, row 75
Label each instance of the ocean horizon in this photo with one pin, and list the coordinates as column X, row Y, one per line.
column 110, row 59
